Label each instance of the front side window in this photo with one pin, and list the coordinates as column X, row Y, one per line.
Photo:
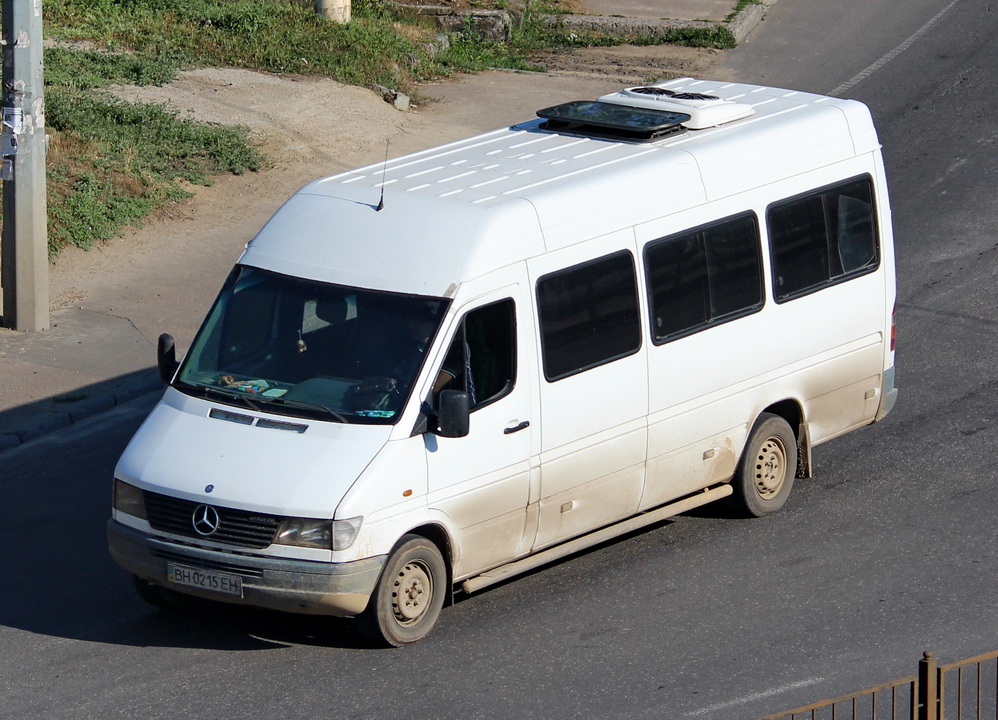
column 481, row 360
column 823, row 238
column 704, row 276
column 588, row 315
column 311, row 349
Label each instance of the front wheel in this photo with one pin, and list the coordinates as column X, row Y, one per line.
column 410, row 593
column 766, row 472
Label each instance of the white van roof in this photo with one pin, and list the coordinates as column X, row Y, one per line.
column 456, row 212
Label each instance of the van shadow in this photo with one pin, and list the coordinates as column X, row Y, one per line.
column 222, row 627
column 58, row 576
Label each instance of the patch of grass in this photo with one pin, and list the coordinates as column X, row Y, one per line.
column 273, row 35
column 112, row 163
column 85, row 70
column 717, row 36
column 149, row 139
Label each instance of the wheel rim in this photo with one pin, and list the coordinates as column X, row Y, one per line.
column 411, row 592
column 770, row 468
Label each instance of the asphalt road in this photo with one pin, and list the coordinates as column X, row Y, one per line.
column 890, row 550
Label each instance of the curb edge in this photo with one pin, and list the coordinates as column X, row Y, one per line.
column 740, row 26
column 49, row 421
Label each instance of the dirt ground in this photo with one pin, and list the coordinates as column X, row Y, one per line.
column 312, row 127
column 632, row 64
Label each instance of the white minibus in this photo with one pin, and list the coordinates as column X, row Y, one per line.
column 428, row 375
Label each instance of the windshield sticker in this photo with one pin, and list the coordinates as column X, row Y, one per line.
column 376, row 413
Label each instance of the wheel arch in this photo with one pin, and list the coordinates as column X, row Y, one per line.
column 791, row 410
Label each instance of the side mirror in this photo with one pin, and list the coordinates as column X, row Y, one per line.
column 166, row 356
column 453, row 414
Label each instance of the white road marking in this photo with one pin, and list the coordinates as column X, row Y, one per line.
column 757, row 696
column 892, row 54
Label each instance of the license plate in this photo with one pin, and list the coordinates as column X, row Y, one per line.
column 205, row 580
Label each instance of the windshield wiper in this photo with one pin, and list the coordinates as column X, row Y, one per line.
column 308, row 405
column 216, row 392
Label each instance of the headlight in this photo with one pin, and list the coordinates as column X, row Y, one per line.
column 303, row 532
column 129, row 500
column 322, row 534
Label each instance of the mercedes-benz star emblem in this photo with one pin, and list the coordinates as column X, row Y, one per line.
column 205, row 520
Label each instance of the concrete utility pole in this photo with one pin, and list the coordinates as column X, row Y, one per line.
column 335, row 10
column 24, row 258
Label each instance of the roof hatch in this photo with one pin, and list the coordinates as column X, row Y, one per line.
column 613, row 120
column 704, row 110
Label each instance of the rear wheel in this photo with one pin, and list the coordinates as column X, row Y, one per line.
column 766, row 472
column 410, row 593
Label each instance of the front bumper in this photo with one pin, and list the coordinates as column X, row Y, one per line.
column 301, row 586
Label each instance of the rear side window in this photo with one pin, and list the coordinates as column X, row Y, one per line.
column 704, row 276
column 823, row 238
column 588, row 315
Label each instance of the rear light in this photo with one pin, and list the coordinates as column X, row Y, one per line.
column 894, row 325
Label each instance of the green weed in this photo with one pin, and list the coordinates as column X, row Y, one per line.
column 84, row 70
column 111, row 162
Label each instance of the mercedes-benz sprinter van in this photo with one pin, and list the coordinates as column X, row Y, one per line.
column 427, row 375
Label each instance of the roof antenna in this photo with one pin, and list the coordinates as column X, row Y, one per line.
column 384, row 171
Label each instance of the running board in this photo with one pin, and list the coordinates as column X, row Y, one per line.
column 586, row 541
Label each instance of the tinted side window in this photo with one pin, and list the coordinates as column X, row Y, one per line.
column 482, row 357
column 822, row 238
column 704, row 276
column 588, row 315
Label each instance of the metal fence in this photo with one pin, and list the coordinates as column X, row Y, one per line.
column 964, row 690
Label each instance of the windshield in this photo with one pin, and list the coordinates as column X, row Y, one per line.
column 310, row 349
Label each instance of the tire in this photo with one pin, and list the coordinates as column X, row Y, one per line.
column 409, row 595
column 766, row 471
column 164, row 598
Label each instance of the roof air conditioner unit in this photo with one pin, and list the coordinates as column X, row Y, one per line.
column 705, row 111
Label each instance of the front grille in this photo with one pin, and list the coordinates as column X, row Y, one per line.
column 235, row 527
column 205, row 564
